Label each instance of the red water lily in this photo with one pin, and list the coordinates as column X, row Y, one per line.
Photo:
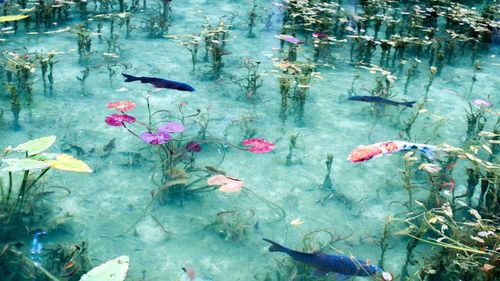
column 258, row 145
column 118, row 119
column 121, row 105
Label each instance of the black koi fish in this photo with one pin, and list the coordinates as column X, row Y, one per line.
column 344, row 266
column 160, row 83
column 377, row 99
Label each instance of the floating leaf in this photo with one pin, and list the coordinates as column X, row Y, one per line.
column 112, row 270
column 227, row 184
column 36, row 146
column 23, row 164
column 69, row 163
column 13, row 18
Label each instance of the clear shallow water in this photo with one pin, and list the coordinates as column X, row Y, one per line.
column 107, row 202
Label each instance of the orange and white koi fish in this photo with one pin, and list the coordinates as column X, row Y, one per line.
column 367, row 152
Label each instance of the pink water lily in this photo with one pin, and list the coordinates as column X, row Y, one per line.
column 481, row 103
column 121, row 105
column 289, row 39
column 155, row 138
column 171, row 127
column 227, row 184
column 118, row 119
column 258, row 145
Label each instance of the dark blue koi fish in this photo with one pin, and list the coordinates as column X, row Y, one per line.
column 377, row 99
column 160, row 83
column 344, row 266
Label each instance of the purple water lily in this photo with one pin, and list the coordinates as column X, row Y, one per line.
column 193, row 146
column 118, row 119
column 171, row 127
column 155, row 138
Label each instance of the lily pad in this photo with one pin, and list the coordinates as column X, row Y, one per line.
column 12, row 18
column 36, row 146
column 69, row 163
column 23, row 164
column 112, row 270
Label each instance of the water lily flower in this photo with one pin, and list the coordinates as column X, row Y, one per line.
column 193, row 146
column 171, row 127
column 481, row 103
column 121, row 105
column 258, row 145
column 155, row 138
column 227, row 184
column 118, row 119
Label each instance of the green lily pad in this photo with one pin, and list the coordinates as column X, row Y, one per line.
column 112, row 270
column 36, row 146
column 23, row 164
column 13, row 18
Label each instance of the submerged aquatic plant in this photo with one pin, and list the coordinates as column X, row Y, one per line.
column 233, row 226
column 294, row 87
column 477, row 67
column 84, row 44
column 215, row 38
column 252, row 16
column 180, row 176
column 22, row 169
column 291, row 146
column 192, row 46
column 476, row 120
column 252, row 80
column 432, row 76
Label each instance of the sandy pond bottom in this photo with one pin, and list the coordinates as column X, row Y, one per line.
column 104, row 204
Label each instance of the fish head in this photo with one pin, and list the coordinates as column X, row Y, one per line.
column 364, row 153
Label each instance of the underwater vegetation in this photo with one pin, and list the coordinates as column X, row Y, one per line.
column 363, row 135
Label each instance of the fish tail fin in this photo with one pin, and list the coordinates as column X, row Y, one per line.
column 130, row 78
column 275, row 247
column 408, row 103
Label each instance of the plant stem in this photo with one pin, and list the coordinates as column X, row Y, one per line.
column 10, row 188
column 37, row 178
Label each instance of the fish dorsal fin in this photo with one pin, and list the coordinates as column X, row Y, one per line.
column 318, row 253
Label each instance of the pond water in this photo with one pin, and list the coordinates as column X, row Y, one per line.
column 219, row 234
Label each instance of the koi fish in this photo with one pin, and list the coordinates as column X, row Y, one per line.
column 367, row 152
column 160, row 83
column 191, row 274
column 378, row 99
column 345, row 267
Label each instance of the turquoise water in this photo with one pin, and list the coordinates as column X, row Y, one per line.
column 104, row 204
